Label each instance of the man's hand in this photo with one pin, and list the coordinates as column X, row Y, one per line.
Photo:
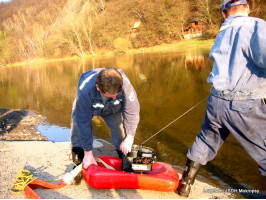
column 88, row 159
column 126, row 144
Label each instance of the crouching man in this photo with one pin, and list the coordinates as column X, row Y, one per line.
column 108, row 93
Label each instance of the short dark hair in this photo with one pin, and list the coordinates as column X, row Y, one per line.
column 234, row 9
column 110, row 80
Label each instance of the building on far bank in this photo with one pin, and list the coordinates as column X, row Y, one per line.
column 135, row 28
column 194, row 29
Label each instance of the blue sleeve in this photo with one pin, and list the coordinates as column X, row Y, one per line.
column 84, row 116
column 257, row 51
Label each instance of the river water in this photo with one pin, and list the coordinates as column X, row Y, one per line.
column 167, row 84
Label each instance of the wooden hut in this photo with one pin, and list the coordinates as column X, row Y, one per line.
column 195, row 29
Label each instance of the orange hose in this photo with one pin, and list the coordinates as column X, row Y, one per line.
column 31, row 194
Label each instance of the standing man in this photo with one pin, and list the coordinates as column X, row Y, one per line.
column 238, row 93
column 108, row 93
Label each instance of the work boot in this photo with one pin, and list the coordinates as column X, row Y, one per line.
column 77, row 157
column 188, row 178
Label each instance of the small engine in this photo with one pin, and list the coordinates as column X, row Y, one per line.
column 141, row 158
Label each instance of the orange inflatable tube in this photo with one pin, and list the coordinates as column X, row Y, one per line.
column 162, row 177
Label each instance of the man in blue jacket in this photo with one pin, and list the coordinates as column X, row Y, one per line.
column 108, row 93
column 237, row 101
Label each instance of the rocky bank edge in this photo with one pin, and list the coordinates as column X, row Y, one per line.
column 48, row 161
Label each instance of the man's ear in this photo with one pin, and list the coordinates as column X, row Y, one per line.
column 247, row 12
column 97, row 87
column 224, row 15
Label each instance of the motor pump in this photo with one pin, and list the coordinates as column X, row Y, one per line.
column 141, row 158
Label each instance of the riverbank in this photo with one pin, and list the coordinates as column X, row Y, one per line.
column 21, row 148
column 193, row 43
column 20, row 125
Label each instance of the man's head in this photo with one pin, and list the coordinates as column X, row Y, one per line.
column 109, row 82
column 233, row 7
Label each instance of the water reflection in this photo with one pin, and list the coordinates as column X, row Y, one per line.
column 167, row 85
column 54, row 133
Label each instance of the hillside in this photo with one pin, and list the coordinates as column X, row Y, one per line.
column 32, row 29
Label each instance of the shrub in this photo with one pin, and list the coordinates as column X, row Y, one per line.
column 4, row 48
column 122, row 44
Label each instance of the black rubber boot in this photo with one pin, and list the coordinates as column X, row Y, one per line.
column 188, row 178
column 77, row 157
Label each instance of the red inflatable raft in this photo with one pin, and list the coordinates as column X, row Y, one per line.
column 162, row 177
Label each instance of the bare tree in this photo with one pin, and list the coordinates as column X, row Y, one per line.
column 88, row 15
column 204, row 11
column 182, row 14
